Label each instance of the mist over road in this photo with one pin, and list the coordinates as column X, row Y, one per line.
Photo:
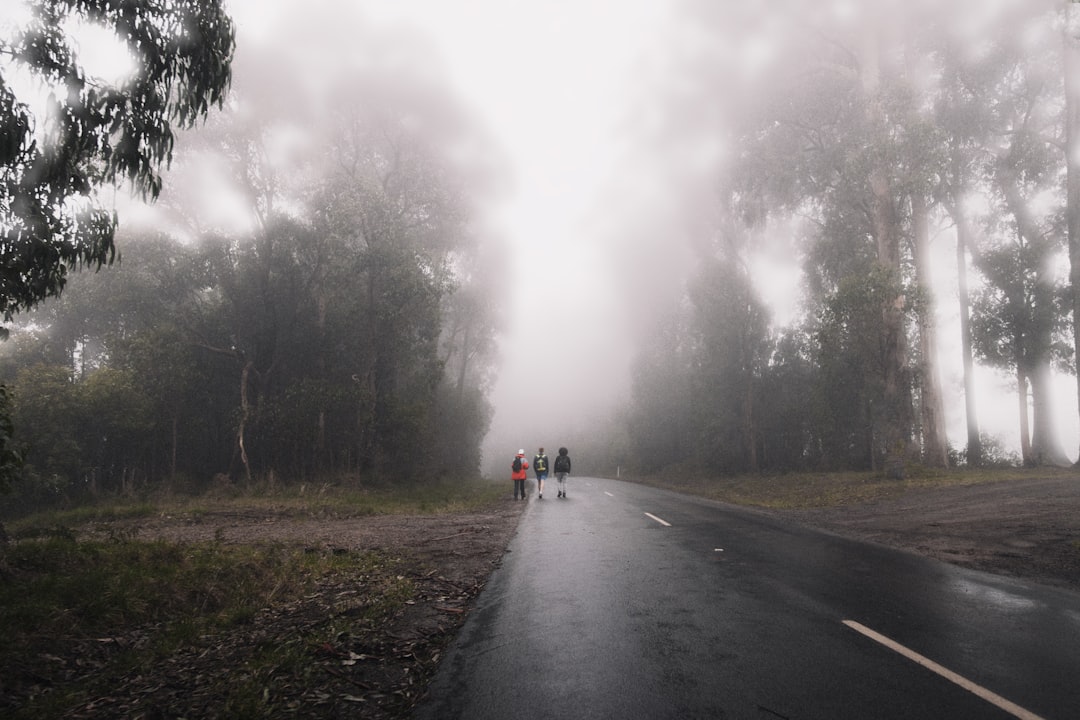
column 624, row 601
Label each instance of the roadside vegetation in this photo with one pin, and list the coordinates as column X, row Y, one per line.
column 798, row 491
column 121, row 603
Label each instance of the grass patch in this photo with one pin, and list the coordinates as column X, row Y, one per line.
column 137, row 603
column 304, row 500
column 817, row 490
column 79, row 618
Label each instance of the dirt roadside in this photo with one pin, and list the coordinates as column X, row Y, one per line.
column 1026, row 528
column 365, row 671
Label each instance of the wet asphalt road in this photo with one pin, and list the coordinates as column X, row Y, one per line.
column 601, row 611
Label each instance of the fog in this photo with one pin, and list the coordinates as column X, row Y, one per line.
column 612, row 182
column 555, row 92
column 604, row 152
column 557, row 85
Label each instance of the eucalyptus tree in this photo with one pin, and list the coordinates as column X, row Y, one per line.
column 50, row 433
column 1009, row 330
column 471, row 322
column 1071, row 146
column 120, row 338
column 829, row 144
column 90, row 132
column 962, row 103
column 792, row 414
column 661, row 420
column 730, row 346
column 1023, row 173
column 93, row 131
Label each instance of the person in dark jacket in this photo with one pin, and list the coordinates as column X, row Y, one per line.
column 562, row 469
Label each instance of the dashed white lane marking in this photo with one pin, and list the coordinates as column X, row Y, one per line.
column 608, row 494
column 991, row 697
column 718, row 549
column 662, row 522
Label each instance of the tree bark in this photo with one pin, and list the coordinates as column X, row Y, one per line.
column 175, row 443
column 1071, row 42
column 963, row 240
column 932, row 410
column 1025, row 427
column 1045, row 445
column 885, row 227
column 244, row 412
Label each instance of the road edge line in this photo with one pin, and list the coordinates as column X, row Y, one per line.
column 974, row 688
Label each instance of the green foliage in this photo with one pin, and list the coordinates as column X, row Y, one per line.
column 850, row 356
column 327, row 343
column 96, row 133
column 11, row 454
column 661, row 432
column 47, row 413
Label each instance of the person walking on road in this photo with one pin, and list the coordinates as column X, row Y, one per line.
column 518, row 474
column 562, row 469
column 540, row 467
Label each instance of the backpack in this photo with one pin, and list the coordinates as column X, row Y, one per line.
column 561, row 461
column 540, row 465
column 516, row 467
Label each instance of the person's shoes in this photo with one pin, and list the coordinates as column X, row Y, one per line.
column 541, row 496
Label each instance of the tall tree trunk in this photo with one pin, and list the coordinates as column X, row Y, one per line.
column 175, row 443
column 885, row 227
column 322, row 462
column 1025, row 428
column 749, row 427
column 463, row 370
column 932, row 409
column 963, row 241
column 1071, row 41
column 245, row 411
column 1045, row 445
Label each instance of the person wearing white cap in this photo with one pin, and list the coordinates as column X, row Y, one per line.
column 518, row 474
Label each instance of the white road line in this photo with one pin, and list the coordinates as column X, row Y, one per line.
column 1009, row 707
column 608, row 494
column 662, row 522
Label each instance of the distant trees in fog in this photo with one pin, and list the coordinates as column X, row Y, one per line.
column 332, row 322
column 872, row 134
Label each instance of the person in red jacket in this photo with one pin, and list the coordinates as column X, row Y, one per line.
column 517, row 473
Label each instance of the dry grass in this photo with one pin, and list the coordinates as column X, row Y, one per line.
column 795, row 491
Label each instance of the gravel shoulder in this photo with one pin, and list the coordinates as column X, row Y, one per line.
column 1027, row 528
